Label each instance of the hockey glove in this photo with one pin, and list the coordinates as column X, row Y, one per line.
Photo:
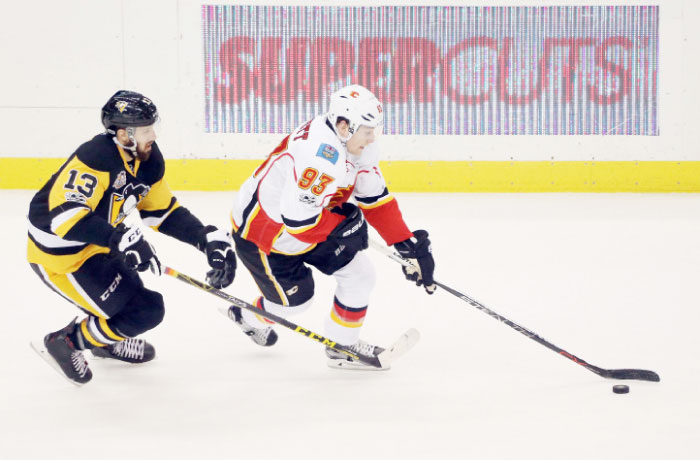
column 216, row 244
column 418, row 251
column 351, row 232
column 128, row 244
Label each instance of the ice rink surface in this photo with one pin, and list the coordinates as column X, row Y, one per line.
column 614, row 279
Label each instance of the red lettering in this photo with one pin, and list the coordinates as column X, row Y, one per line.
column 296, row 68
column 509, row 62
column 413, row 64
column 331, row 61
column 542, row 72
column 268, row 71
column 244, row 72
column 237, row 76
column 484, row 81
column 399, row 70
column 569, row 72
column 610, row 70
column 373, row 65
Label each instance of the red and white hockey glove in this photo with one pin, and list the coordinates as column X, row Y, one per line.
column 418, row 251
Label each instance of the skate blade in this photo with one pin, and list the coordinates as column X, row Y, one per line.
column 40, row 349
column 343, row 364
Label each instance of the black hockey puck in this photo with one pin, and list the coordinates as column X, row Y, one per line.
column 621, row 389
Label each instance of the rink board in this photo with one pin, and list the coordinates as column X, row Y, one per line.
column 422, row 176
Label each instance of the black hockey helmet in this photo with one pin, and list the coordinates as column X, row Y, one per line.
column 128, row 109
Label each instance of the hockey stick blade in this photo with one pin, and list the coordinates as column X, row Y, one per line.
column 400, row 347
column 620, row 374
column 630, row 374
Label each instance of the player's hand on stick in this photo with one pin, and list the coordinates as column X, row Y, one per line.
column 136, row 253
column 216, row 244
column 418, row 251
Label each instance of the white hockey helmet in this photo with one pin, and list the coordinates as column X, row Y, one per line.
column 358, row 106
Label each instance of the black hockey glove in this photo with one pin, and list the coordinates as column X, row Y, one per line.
column 216, row 244
column 351, row 232
column 128, row 244
column 418, row 251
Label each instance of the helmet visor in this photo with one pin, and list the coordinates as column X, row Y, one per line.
column 146, row 134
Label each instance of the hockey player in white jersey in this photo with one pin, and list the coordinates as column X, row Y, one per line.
column 294, row 212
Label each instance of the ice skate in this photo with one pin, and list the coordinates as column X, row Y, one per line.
column 130, row 350
column 58, row 350
column 338, row 360
column 265, row 337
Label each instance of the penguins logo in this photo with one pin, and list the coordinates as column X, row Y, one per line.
column 121, row 106
column 126, row 201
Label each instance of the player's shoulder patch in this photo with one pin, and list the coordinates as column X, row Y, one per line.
column 120, row 181
column 328, row 152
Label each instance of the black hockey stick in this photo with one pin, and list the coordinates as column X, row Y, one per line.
column 621, row 374
column 374, row 362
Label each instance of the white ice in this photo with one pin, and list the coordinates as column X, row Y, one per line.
column 613, row 279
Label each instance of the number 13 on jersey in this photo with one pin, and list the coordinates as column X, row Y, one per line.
column 308, row 178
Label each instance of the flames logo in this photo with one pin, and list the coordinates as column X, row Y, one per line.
column 340, row 196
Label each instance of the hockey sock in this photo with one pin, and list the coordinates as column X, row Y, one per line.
column 344, row 323
column 77, row 338
column 255, row 320
column 94, row 332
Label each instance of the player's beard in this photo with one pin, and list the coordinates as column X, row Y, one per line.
column 143, row 154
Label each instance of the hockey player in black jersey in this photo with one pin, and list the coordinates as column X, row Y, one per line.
column 80, row 248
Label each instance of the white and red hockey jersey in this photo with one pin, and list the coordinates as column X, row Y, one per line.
column 284, row 207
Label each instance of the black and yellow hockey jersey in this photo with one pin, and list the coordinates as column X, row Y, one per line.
column 74, row 214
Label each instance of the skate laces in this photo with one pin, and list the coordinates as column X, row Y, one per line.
column 263, row 334
column 130, row 348
column 360, row 348
column 260, row 334
column 364, row 348
column 79, row 363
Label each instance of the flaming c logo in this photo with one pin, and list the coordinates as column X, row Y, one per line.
column 354, row 94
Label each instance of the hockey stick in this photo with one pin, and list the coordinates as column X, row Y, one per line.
column 374, row 362
column 621, row 374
